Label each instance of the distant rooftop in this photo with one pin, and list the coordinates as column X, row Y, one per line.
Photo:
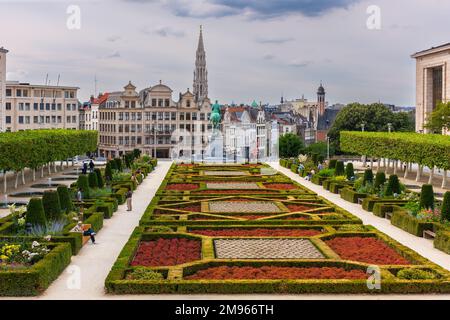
column 442, row 47
column 26, row 84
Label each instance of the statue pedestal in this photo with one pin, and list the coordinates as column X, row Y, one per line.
column 215, row 150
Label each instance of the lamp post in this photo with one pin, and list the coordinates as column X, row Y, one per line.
column 328, row 148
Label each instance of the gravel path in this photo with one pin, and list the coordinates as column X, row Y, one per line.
column 243, row 207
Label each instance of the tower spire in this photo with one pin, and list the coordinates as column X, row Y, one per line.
column 201, row 73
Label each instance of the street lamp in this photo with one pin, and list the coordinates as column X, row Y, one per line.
column 328, row 148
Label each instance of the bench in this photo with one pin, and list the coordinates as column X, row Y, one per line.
column 428, row 234
column 388, row 215
column 84, row 227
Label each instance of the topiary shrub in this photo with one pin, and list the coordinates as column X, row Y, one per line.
column 332, row 164
column 445, row 210
column 349, row 171
column 93, row 180
column 83, row 184
column 339, row 170
column 368, row 177
column 100, row 182
column 52, row 206
column 427, row 197
column 113, row 164
column 393, row 186
column 108, row 171
column 64, row 198
column 35, row 213
column 380, row 179
column 118, row 162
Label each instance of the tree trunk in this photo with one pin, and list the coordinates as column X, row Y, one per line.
column 5, row 182
column 17, row 180
column 378, row 164
column 34, row 175
column 371, row 163
column 430, row 180
column 49, row 169
column 406, row 171
column 42, row 171
column 444, row 179
column 23, row 176
column 395, row 165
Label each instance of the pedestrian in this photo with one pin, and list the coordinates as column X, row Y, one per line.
column 91, row 166
column 129, row 196
column 80, row 195
column 90, row 232
column 320, row 167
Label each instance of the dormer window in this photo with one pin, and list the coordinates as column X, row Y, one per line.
column 188, row 103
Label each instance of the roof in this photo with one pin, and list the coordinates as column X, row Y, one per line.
column 160, row 87
column 326, row 120
column 3, row 50
column 24, row 84
column 101, row 99
column 432, row 50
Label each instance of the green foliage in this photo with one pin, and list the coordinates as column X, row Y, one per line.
column 118, row 162
column 100, row 192
column 375, row 117
column 393, row 186
column 445, row 209
column 52, row 206
column 368, row 176
column 332, row 164
column 380, row 179
column 339, row 168
column 113, row 164
column 326, row 173
column 439, row 118
column 427, row 197
column 108, row 171
column 415, row 274
column 141, row 273
column 93, row 180
column 319, row 148
column 425, row 149
column 83, row 184
column 413, row 207
column 35, row 213
column 34, row 148
column 290, row 145
column 349, row 171
column 100, row 182
column 64, row 198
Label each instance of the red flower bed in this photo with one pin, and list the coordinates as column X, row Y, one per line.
column 167, row 252
column 296, row 218
column 280, row 186
column 182, row 186
column 368, row 250
column 297, row 207
column 192, row 208
column 276, row 232
column 234, row 191
column 270, row 272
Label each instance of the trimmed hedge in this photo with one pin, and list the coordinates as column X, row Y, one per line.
column 34, row 280
column 427, row 197
column 52, row 206
column 83, row 184
column 35, row 213
column 403, row 220
column 442, row 241
column 65, row 198
column 93, row 180
column 425, row 149
column 349, row 194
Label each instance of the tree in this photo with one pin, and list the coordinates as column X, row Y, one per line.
column 83, row 184
column 290, row 145
column 93, row 180
column 332, row 164
column 368, row 176
column 439, row 119
column 380, row 179
column 339, row 169
column 393, row 186
column 108, row 171
column 427, row 197
column 52, row 206
column 320, row 148
column 64, row 198
column 349, row 171
column 35, row 213
column 445, row 210
column 375, row 117
column 100, row 182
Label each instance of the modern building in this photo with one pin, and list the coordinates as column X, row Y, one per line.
column 29, row 107
column 432, row 81
column 3, row 53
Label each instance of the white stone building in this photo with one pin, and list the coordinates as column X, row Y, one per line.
column 3, row 53
column 432, row 81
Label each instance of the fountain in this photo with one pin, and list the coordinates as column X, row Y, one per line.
column 49, row 182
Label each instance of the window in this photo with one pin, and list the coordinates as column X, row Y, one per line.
column 127, row 116
column 59, row 119
column 47, row 106
column 8, row 119
column 139, row 116
column 133, row 116
column 20, row 106
column 35, row 119
column 167, row 103
column 202, row 116
column 194, row 116
column 74, row 119
column 127, row 104
column 160, row 102
column 188, row 103
column 59, row 107
column 21, row 119
column 153, row 102
column 160, row 115
column 153, row 115
column 74, row 107
column 41, row 119
column 53, row 106
column 167, row 116
column 182, row 116
column 120, row 115
column 18, row 93
column 68, row 119
column 47, row 119
column 36, row 106
column 25, row 93
column 173, row 116
column 188, row 116
column 68, row 107
column 41, row 106
column 8, row 106
column 133, row 104
column 8, row 92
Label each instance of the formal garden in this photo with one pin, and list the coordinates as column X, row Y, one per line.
column 250, row 229
column 415, row 211
column 38, row 240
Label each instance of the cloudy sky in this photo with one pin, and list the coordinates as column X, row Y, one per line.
column 255, row 49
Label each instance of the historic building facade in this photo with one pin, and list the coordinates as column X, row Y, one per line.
column 432, row 81
column 29, row 107
column 3, row 53
column 154, row 122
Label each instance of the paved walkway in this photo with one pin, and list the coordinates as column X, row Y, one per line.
column 95, row 261
column 422, row 246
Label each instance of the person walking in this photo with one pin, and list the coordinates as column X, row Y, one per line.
column 80, row 195
column 91, row 166
column 84, row 169
column 129, row 196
